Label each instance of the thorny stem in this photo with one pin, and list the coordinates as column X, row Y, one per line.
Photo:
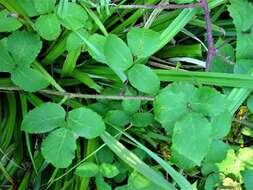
column 70, row 95
column 211, row 49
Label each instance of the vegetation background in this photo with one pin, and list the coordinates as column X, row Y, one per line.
column 126, row 95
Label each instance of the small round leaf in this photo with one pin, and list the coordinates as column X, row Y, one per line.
column 43, row 118
column 85, row 123
column 59, row 147
column 144, row 79
column 87, row 169
column 48, row 26
column 108, row 170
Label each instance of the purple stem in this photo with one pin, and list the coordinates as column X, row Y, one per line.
column 211, row 48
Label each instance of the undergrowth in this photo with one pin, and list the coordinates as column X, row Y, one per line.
column 126, row 95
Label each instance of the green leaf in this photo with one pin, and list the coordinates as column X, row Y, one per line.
column 48, row 26
column 108, row 170
column 74, row 18
column 167, row 111
column 58, row 148
column 7, row 63
column 143, row 42
column 243, row 66
column 87, row 169
column 43, row 118
column 8, row 23
column 250, row 103
column 242, row 12
column 136, row 181
column 247, row 179
column 131, row 106
column 85, row 123
column 98, row 41
column 24, row 47
column 230, row 165
column 142, row 119
column 212, row 181
column 245, row 155
column 44, row 6
column 105, row 155
column 221, row 125
column 226, row 52
column 101, row 184
column 208, row 101
column 217, row 151
column 28, row 6
column 118, row 55
column 28, row 79
column 191, row 137
column 181, row 161
column 74, row 42
column 117, row 117
column 144, row 79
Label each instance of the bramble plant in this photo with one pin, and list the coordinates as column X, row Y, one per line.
column 116, row 95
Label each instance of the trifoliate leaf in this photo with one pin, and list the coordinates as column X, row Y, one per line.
column 74, row 18
column 191, row 137
column 48, row 26
column 43, row 118
column 221, row 125
column 247, row 179
column 24, row 47
column 7, row 63
column 58, row 148
column 87, row 169
column 208, row 101
column 108, row 170
column 167, row 111
column 144, row 79
column 143, row 42
column 118, row 55
column 28, row 79
column 85, row 123
column 217, row 151
column 44, row 6
column 8, row 23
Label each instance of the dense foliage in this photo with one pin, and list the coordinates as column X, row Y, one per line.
column 119, row 95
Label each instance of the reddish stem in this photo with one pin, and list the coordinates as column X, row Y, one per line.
column 211, row 48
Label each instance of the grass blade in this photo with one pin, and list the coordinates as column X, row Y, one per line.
column 132, row 160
